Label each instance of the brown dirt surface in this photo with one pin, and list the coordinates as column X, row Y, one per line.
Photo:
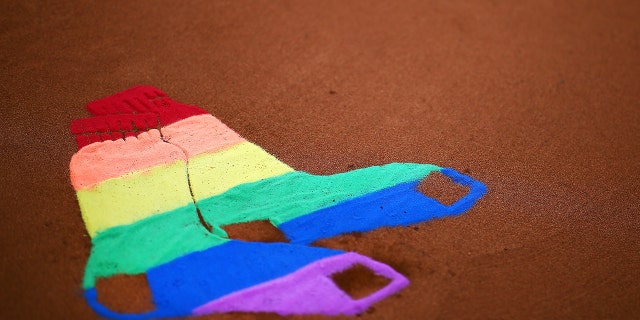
column 540, row 100
column 255, row 231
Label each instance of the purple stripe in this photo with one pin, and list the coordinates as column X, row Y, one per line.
column 308, row 290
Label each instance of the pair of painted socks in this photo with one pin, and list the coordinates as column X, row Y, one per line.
column 157, row 180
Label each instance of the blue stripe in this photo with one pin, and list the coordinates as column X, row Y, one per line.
column 197, row 278
column 400, row 205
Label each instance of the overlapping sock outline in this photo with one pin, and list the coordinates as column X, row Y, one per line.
column 390, row 201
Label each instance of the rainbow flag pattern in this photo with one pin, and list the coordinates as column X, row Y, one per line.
column 156, row 180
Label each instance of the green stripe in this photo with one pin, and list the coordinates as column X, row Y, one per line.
column 135, row 248
column 294, row 194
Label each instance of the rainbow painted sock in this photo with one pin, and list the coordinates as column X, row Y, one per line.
column 135, row 200
column 235, row 181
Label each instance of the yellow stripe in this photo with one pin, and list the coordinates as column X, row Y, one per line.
column 134, row 196
column 214, row 173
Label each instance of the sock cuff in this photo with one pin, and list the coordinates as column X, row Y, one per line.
column 112, row 127
column 137, row 99
column 144, row 99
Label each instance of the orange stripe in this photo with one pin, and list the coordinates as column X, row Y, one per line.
column 200, row 134
column 101, row 161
